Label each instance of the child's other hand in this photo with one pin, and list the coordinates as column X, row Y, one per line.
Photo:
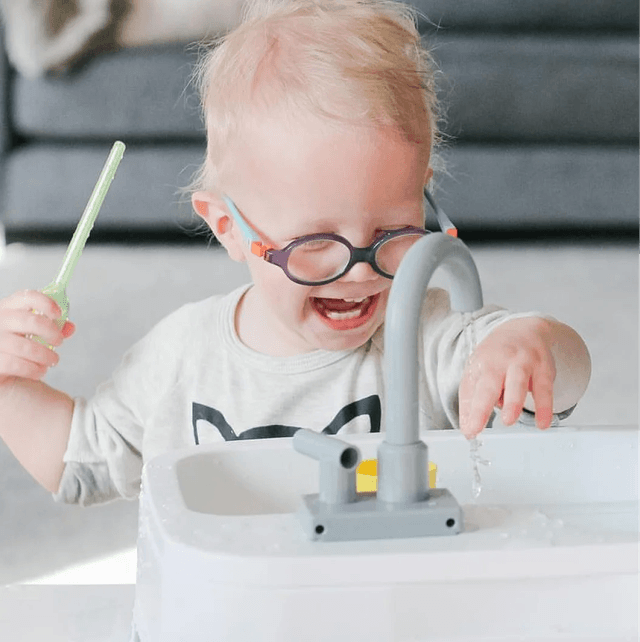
column 513, row 360
column 23, row 315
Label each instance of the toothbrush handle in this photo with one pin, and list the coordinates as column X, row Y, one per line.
column 56, row 290
column 59, row 295
column 89, row 215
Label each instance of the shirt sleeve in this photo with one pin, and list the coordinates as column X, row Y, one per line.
column 448, row 340
column 91, row 475
column 103, row 459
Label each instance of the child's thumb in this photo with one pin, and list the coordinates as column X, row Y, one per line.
column 68, row 329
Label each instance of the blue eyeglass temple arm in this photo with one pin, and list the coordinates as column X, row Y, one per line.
column 258, row 248
column 443, row 220
column 247, row 232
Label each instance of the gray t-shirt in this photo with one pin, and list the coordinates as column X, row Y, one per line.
column 191, row 381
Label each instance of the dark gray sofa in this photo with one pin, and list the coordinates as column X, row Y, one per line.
column 542, row 115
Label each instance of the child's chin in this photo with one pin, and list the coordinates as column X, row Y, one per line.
column 347, row 341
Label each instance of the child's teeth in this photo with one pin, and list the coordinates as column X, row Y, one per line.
column 343, row 315
column 356, row 300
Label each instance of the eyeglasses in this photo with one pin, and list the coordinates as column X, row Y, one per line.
column 318, row 259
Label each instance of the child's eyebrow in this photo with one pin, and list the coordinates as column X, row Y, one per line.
column 294, row 236
column 289, row 238
column 302, row 224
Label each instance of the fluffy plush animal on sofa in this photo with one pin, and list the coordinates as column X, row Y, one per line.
column 52, row 35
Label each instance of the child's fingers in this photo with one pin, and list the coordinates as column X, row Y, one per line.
column 25, row 322
column 477, row 398
column 22, row 357
column 25, row 315
column 29, row 350
column 68, row 329
column 32, row 300
column 21, row 369
column 542, row 392
column 487, row 394
column 516, row 386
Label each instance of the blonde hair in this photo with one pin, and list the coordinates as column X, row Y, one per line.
column 351, row 61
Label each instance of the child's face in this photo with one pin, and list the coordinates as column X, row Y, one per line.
column 290, row 179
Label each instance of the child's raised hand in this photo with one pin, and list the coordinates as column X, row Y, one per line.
column 514, row 359
column 23, row 315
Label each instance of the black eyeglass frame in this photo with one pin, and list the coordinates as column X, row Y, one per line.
column 357, row 254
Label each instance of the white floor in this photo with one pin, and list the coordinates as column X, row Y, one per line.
column 117, row 568
column 119, row 292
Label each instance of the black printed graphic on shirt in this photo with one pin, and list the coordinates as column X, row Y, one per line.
column 370, row 406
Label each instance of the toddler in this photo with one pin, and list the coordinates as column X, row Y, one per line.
column 321, row 125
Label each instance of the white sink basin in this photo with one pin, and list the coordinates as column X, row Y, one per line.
column 549, row 551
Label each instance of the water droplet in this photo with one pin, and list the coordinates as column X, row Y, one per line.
column 476, row 460
column 476, row 483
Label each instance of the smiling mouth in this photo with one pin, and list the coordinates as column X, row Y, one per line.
column 345, row 314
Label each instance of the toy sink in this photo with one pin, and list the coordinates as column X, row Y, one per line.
column 254, row 540
column 549, row 549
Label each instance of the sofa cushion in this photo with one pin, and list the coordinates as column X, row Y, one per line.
column 519, row 189
column 493, row 87
column 488, row 188
column 529, row 15
column 135, row 93
column 48, row 186
column 532, row 88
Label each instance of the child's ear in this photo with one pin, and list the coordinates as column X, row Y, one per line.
column 214, row 212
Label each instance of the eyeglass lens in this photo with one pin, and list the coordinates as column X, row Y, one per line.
column 318, row 260
column 390, row 254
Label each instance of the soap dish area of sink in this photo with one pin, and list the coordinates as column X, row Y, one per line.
column 550, row 547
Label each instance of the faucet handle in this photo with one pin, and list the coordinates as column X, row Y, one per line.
column 338, row 463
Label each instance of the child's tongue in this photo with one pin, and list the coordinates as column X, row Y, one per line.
column 338, row 305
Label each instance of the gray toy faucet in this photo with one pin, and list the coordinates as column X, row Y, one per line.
column 402, row 457
column 404, row 506
column 338, row 461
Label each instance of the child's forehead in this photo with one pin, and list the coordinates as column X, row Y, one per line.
column 277, row 140
column 302, row 174
column 281, row 217
column 281, row 225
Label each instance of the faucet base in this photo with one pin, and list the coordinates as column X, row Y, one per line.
column 369, row 518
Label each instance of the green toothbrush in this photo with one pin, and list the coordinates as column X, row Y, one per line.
column 57, row 289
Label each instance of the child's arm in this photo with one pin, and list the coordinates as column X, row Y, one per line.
column 531, row 363
column 35, row 419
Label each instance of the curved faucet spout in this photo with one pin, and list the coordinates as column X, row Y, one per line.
column 402, row 457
